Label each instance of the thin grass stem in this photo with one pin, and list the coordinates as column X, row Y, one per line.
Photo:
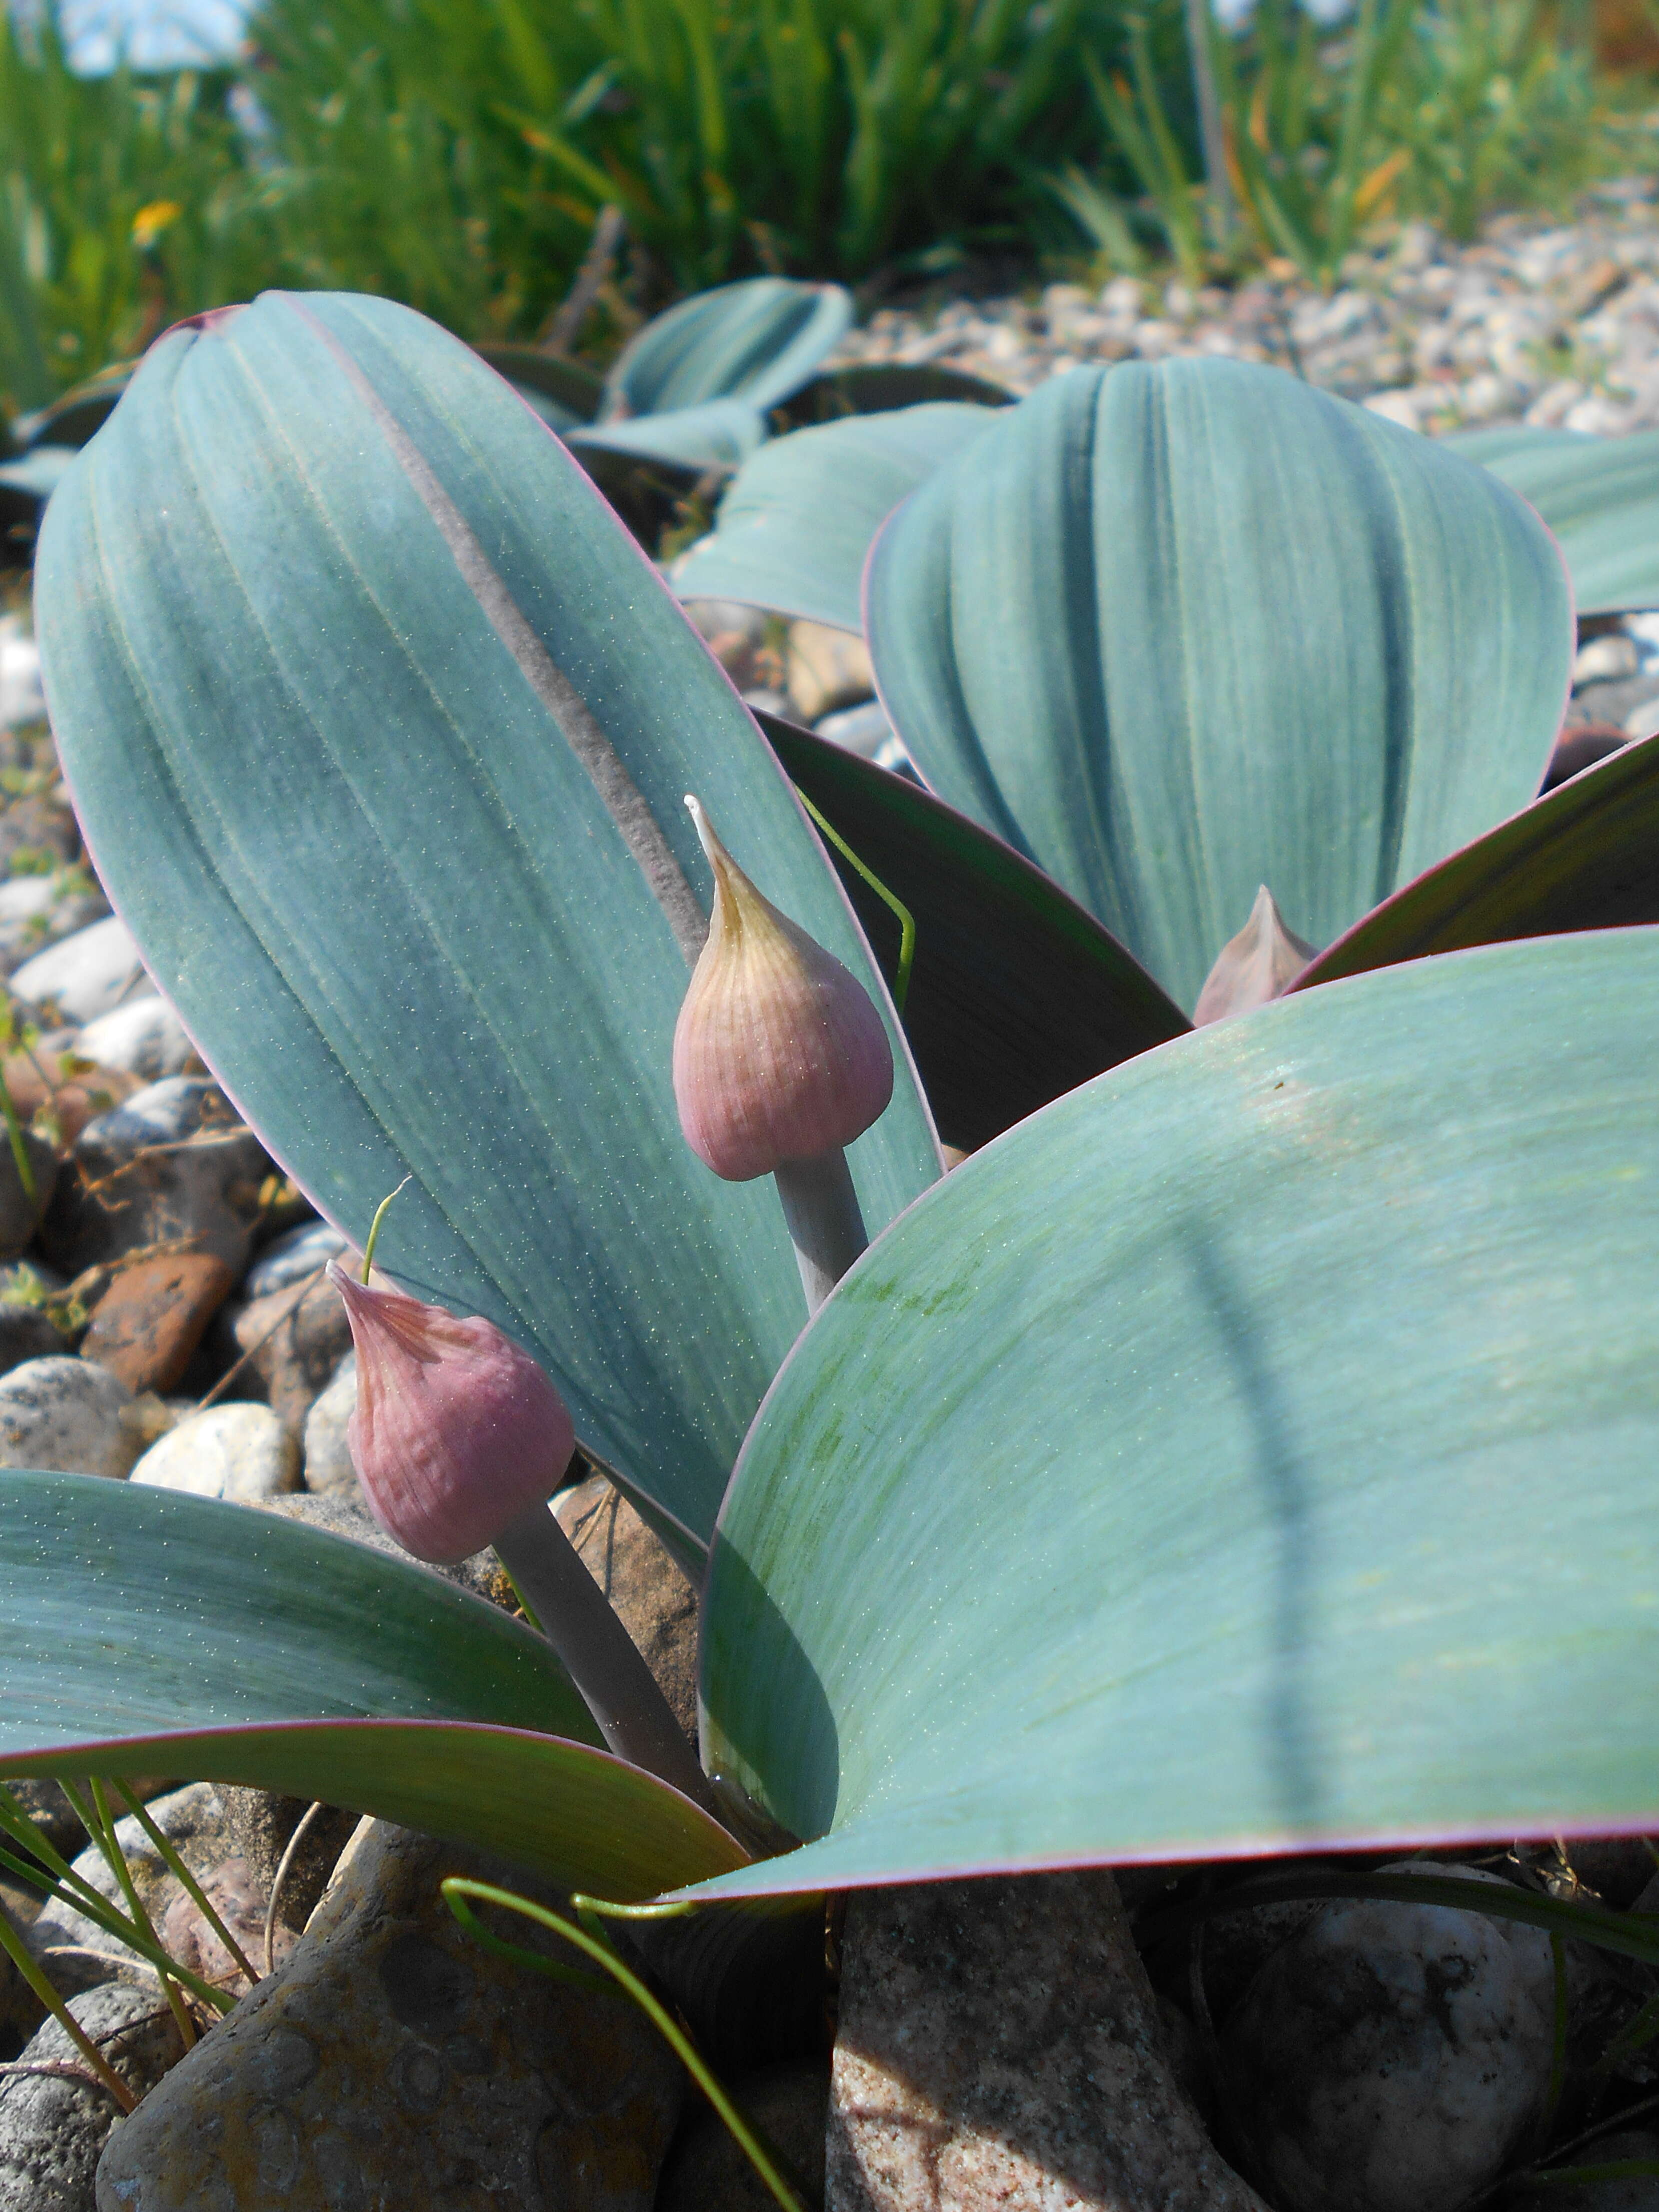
column 593, row 1943
column 197, row 1895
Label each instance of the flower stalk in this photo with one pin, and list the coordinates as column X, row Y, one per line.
column 459, row 1439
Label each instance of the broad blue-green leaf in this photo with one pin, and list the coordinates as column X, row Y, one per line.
column 758, row 341
column 144, row 1632
column 379, row 726
column 1253, row 1450
column 1017, row 994
column 1600, row 496
column 718, row 434
column 1177, row 631
column 796, row 524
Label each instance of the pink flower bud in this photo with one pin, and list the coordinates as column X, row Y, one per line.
column 779, row 1053
column 1254, row 967
column 456, row 1430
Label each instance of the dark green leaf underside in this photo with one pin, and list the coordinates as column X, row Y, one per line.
column 1017, row 994
column 144, row 1632
column 561, row 1809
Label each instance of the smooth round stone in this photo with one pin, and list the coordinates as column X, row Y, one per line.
column 145, row 1037
column 289, row 1258
column 86, row 975
column 164, row 1113
column 240, row 1452
column 328, row 1470
column 1392, row 2058
column 64, row 1415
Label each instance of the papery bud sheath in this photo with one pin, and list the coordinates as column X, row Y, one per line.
column 457, row 1430
column 779, row 1053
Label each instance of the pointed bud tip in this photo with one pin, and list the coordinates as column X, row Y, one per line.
column 457, row 1430
column 779, row 1052
column 1254, row 967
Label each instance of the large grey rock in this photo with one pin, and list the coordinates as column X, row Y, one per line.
column 262, row 1825
column 171, row 1165
column 654, row 1602
column 37, row 911
column 328, row 1470
column 288, row 1260
column 238, row 1452
column 998, row 2044
column 145, row 1036
column 391, row 2061
column 85, row 976
column 54, row 2124
column 74, row 1951
column 1392, row 2057
column 66, row 1414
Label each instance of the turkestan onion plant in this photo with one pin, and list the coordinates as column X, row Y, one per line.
column 1249, row 1449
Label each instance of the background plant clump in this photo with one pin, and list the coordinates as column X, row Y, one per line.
column 458, row 158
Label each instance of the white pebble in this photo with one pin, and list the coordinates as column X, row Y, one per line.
column 238, row 1452
column 145, row 1037
column 1605, row 660
column 86, row 975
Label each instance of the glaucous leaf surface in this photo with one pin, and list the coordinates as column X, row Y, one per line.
column 1598, row 496
column 1584, row 857
column 1175, row 631
column 720, row 433
column 796, row 524
column 758, row 341
column 379, row 727
column 144, row 1633
column 1252, row 1451
column 1016, row 994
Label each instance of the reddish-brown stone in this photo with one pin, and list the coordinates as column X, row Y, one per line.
column 154, row 1315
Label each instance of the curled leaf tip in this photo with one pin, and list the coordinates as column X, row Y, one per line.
column 1257, row 965
column 779, row 1052
column 457, row 1430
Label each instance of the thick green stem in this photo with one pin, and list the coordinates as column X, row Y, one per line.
column 601, row 1657
column 825, row 1225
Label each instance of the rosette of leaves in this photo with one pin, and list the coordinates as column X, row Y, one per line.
column 1249, row 1449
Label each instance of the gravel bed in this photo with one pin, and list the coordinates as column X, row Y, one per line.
column 1552, row 324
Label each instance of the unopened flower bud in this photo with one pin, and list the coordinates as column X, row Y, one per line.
column 1254, row 967
column 458, row 1432
column 779, row 1053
